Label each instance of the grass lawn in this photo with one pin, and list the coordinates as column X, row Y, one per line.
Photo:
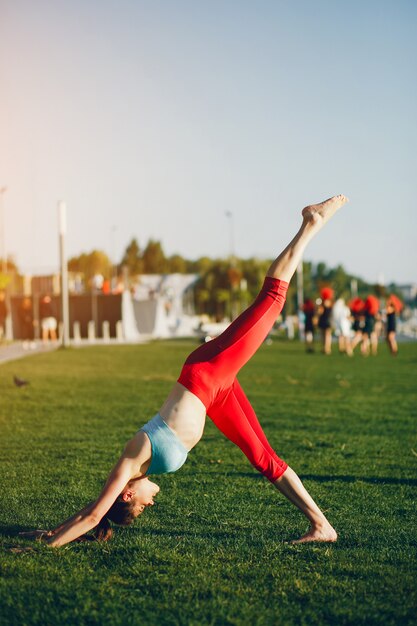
column 213, row 551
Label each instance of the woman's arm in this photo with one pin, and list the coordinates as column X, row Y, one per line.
column 78, row 527
column 83, row 511
column 136, row 453
column 90, row 516
column 43, row 533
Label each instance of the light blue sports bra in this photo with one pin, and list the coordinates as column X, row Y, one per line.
column 168, row 453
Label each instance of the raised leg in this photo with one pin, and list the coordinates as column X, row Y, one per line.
column 236, row 345
column 314, row 218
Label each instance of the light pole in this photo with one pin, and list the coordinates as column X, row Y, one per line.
column 113, row 252
column 62, row 217
column 233, row 303
column 2, row 232
column 9, row 327
column 300, row 299
column 229, row 215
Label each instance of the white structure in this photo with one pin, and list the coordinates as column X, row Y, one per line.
column 158, row 303
column 130, row 329
column 408, row 292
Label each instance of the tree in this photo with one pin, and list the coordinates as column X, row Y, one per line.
column 321, row 272
column 4, row 280
column 202, row 265
column 202, row 297
column 10, row 271
column 308, row 280
column 222, row 298
column 176, row 265
column 132, row 258
column 340, row 281
column 95, row 262
column 154, row 261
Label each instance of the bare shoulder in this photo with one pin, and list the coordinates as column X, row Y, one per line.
column 136, row 445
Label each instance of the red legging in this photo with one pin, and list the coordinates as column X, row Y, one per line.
column 210, row 373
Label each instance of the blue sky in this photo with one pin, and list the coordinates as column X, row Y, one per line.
column 152, row 119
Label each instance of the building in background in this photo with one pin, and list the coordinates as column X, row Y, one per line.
column 154, row 306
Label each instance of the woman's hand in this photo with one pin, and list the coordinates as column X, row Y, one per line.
column 42, row 536
column 19, row 549
column 37, row 535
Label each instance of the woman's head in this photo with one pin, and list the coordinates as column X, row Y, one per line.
column 135, row 497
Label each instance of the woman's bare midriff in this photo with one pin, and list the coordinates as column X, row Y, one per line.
column 185, row 414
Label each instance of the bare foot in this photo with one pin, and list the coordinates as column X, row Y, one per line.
column 323, row 534
column 320, row 213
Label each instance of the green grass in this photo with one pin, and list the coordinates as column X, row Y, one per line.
column 213, row 550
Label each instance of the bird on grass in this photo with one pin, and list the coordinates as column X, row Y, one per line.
column 19, row 382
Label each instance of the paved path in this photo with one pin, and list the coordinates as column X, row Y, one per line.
column 15, row 350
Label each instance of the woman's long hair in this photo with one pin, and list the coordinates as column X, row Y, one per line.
column 121, row 513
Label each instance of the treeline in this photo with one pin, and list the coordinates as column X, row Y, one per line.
column 225, row 286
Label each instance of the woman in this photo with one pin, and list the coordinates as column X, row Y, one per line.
column 343, row 327
column 357, row 308
column 325, row 319
column 208, row 385
column 394, row 306
column 309, row 311
column 370, row 337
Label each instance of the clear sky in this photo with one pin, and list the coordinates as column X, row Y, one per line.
column 153, row 118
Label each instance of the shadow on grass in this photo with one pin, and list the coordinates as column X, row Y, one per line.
column 373, row 480
column 12, row 530
column 187, row 533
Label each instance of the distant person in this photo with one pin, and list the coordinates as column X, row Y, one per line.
column 97, row 282
column 106, row 289
column 394, row 306
column 357, row 308
column 208, row 385
column 26, row 322
column 49, row 323
column 309, row 311
column 3, row 315
column 325, row 319
column 343, row 326
column 370, row 338
column 379, row 326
